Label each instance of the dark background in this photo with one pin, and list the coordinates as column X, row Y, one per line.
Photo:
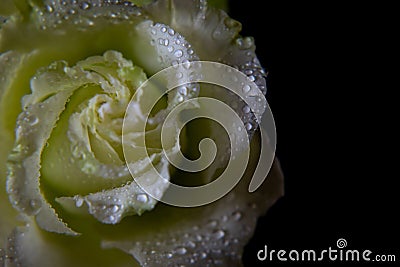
column 336, row 114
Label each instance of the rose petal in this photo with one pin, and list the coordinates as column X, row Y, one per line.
column 206, row 236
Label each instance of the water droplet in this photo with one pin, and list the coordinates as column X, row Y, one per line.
column 49, row 8
column 85, row 5
column 171, row 32
column 181, row 250
column 212, row 223
column 169, row 255
column 186, row 64
column 219, row 234
column 175, row 63
column 249, row 126
column 246, row 109
column 248, row 72
column 170, row 49
column 34, row 203
column 183, row 90
column 246, row 88
column 32, row 120
column 203, row 255
column 237, row 215
column 78, row 202
column 178, row 53
column 142, row 198
column 191, row 244
column 179, row 75
column 190, row 51
column 166, row 42
column 163, row 29
column 115, row 208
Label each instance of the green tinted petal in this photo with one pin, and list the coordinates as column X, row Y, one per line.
column 83, row 154
column 9, row 63
column 51, row 90
column 214, row 36
column 31, row 246
column 209, row 30
column 112, row 205
column 24, row 161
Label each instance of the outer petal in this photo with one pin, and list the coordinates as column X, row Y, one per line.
column 215, row 37
column 212, row 235
column 9, row 62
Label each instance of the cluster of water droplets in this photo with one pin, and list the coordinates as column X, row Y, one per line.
column 174, row 50
column 110, row 206
column 10, row 255
column 242, row 56
column 84, row 13
column 27, row 126
column 216, row 240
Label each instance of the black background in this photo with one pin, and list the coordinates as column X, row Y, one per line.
column 336, row 114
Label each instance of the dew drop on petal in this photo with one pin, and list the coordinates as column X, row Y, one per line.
column 191, row 244
column 246, row 88
column 78, row 202
column 171, row 32
column 49, row 8
column 85, row 5
column 183, row 90
column 34, row 204
column 219, row 234
column 249, row 126
column 142, row 198
column 237, row 215
column 115, row 208
column 178, row 53
column 181, row 250
column 246, row 109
